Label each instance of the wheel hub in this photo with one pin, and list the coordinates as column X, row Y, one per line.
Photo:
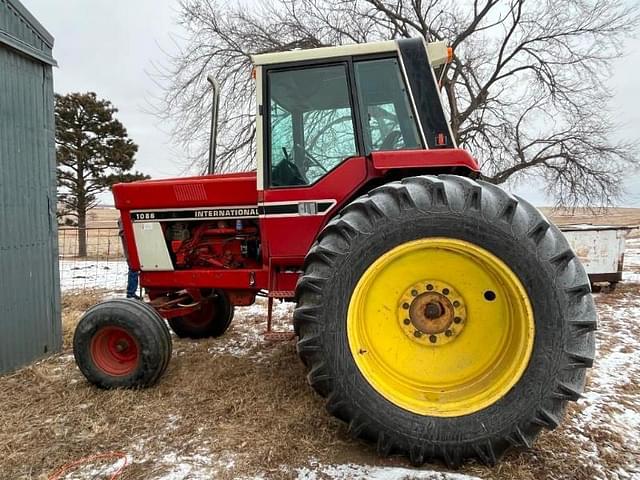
column 431, row 312
column 121, row 345
column 115, row 351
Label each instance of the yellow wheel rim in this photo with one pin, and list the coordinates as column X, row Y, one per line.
column 440, row 327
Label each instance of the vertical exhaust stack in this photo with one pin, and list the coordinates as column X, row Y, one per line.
column 214, row 124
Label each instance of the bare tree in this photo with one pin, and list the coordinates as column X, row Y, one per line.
column 526, row 92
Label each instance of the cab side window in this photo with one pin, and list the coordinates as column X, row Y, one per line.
column 387, row 117
column 311, row 123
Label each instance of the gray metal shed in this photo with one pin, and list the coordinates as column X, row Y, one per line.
column 30, row 325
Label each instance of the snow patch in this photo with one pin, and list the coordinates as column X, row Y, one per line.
column 92, row 274
column 605, row 405
column 248, row 327
column 193, row 467
column 352, row 471
column 95, row 469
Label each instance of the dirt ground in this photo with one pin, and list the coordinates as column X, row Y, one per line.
column 240, row 407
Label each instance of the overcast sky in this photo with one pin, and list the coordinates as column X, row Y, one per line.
column 110, row 47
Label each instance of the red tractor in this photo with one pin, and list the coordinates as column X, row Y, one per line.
column 439, row 315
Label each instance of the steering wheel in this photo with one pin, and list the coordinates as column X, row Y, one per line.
column 314, row 161
column 390, row 140
column 286, row 173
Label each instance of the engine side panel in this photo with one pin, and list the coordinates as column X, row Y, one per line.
column 151, row 246
column 149, row 210
column 238, row 189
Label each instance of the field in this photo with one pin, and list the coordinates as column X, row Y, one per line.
column 612, row 216
column 240, row 407
column 103, row 241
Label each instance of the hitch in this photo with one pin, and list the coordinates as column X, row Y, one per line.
column 179, row 305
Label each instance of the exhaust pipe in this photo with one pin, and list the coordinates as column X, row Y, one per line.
column 214, row 124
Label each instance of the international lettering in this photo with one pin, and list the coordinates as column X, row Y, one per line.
column 226, row 212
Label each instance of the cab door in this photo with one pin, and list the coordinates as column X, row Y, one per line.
column 312, row 155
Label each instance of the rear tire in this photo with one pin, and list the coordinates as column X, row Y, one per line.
column 211, row 320
column 122, row 343
column 459, row 212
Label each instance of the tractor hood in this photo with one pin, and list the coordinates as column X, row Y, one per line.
column 235, row 189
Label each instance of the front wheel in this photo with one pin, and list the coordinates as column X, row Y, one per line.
column 445, row 319
column 122, row 343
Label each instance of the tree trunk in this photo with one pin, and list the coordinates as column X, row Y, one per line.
column 82, row 220
column 82, row 233
column 81, row 207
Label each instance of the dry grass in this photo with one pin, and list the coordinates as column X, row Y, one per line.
column 256, row 406
column 254, row 409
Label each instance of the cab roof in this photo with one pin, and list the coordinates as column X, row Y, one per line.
column 324, row 52
column 437, row 52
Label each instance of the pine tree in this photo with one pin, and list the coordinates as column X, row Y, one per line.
column 93, row 152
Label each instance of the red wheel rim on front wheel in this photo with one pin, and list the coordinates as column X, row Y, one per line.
column 115, row 351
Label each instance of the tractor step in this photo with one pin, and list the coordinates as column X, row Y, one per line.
column 281, row 294
column 270, row 335
column 279, row 336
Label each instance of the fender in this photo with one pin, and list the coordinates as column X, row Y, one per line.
column 384, row 161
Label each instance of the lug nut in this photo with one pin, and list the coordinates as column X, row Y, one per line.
column 429, row 287
column 448, row 333
column 433, row 339
column 414, row 292
column 445, row 291
column 406, row 321
column 405, row 305
column 457, row 320
column 456, row 303
column 417, row 334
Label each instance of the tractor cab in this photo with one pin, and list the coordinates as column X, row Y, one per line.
column 332, row 122
column 319, row 108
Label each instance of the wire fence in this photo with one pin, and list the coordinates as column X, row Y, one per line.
column 103, row 266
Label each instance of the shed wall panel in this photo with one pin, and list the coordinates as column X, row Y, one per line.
column 16, row 21
column 30, row 324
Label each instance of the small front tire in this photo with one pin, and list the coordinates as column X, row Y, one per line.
column 122, row 343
